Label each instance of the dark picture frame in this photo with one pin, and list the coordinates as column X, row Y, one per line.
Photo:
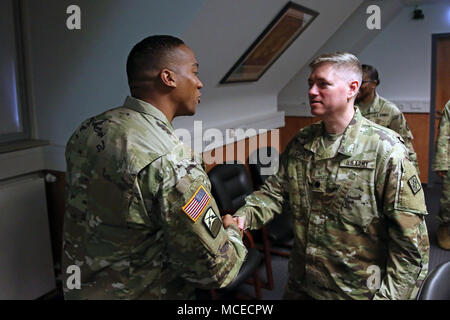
column 290, row 22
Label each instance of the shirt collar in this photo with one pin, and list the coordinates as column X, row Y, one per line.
column 145, row 107
column 348, row 140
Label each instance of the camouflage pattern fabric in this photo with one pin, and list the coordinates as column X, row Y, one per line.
column 441, row 162
column 358, row 214
column 129, row 180
column 386, row 114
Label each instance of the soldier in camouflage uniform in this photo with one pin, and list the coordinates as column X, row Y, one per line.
column 382, row 111
column 441, row 165
column 356, row 200
column 140, row 220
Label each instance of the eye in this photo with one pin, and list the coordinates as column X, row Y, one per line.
column 323, row 84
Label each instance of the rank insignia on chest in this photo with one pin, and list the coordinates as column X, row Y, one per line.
column 414, row 184
column 212, row 222
column 197, row 204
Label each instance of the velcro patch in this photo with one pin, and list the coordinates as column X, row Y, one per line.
column 414, row 184
column 212, row 222
column 197, row 204
column 362, row 164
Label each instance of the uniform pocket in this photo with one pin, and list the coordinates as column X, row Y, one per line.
column 355, row 200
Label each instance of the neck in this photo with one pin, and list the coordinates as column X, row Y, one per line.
column 369, row 98
column 162, row 103
column 338, row 122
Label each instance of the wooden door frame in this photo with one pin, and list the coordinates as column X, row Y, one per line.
column 432, row 177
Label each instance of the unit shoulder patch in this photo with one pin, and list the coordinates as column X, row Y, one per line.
column 212, row 222
column 414, row 184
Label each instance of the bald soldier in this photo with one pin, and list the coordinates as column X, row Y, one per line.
column 140, row 221
column 354, row 196
column 382, row 111
column 441, row 165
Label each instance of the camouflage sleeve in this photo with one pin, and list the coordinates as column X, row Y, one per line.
column 196, row 244
column 261, row 206
column 400, row 125
column 404, row 209
column 441, row 161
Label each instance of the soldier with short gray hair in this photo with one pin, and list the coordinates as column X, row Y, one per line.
column 355, row 198
column 140, row 220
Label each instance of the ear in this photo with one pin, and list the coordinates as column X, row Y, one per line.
column 168, row 78
column 353, row 89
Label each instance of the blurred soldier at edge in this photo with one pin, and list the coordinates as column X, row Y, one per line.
column 382, row 111
column 441, row 165
column 140, row 220
column 357, row 203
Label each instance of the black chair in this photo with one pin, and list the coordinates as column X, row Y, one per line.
column 436, row 285
column 230, row 185
column 262, row 163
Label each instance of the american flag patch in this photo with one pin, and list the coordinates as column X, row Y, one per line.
column 197, row 204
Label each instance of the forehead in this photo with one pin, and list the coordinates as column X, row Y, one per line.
column 184, row 55
column 325, row 70
column 366, row 75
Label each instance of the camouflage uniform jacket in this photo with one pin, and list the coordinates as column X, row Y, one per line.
column 127, row 224
column 441, row 161
column 386, row 114
column 358, row 214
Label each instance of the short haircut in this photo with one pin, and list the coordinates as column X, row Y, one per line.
column 150, row 55
column 371, row 72
column 342, row 60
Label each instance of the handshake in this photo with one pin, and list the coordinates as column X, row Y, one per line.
column 228, row 220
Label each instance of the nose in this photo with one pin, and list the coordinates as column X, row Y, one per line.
column 199, row 84
column 312, row 92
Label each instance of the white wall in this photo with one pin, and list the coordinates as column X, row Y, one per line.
column 402, row 53
column 77, row 74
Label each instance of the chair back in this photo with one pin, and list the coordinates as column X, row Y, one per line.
column 436, row 285
column 263, row 162
column 230, row 185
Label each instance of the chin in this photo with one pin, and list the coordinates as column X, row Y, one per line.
column 191, row 112
column 317, row 111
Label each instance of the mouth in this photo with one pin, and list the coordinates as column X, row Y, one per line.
column 312, row 102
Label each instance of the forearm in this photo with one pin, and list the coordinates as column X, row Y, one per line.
column 441, row 161
column 230, row 270
column 407, row 263
column 260, row 207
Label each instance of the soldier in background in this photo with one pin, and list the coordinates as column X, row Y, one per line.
column 355, row 197
column 441, row 165
column 140, row 221
column 382, row 111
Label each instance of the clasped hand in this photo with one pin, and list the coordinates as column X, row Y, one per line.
column 228, row 220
